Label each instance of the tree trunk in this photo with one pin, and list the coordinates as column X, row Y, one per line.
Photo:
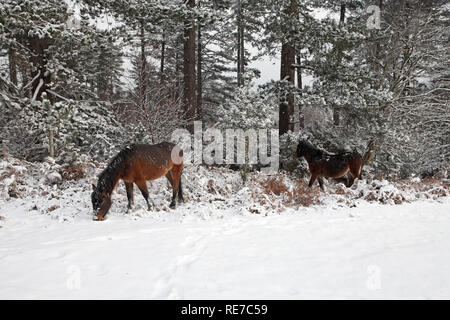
column 340, row 45
column 287, row 72
column 176, row 89
column 42, row 76
column 199, row 73
column 143, row 69
column 378, row 46
column 240, row 45
column 301, row 118
column 51, row 143
column 12, row 66
column 24, row 72
column 163, row 53
column 342, row 15
column 242, row 55
column 340, row 48
column 189, row 68
column 336, row 117
column 101, row 82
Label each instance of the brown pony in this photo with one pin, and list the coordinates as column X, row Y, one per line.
column 137, row 164
column 322, row 164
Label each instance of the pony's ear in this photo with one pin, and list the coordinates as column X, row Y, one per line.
column 94, row 187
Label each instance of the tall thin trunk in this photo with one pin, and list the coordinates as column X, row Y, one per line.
column 287, row 72
column 340, row 45
column 240, row 45
column 189, row 68
column 24, row 72
column 163, row 55
column 101, row 82
column 143, row 68
column 301, row 118
column 336, row 117
column 199, row 72
column 238, row 59
column 299, row 73
column 51, row 143
column 378, row 46
column 42, row 76
column 12, row 66
column 340, row 48
column 177, row 76
column 342, row 15
column 287, row 103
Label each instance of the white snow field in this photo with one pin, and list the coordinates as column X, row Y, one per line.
column 215, row 247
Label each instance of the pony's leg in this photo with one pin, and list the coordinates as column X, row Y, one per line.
column 176, row 179
column 356, row 167
column 355, row 172
column 313, row 178
column 130, row 195
column 169, row 177
column 142, row 185
column 320, row 179
column 180, row 192
column 351, row 179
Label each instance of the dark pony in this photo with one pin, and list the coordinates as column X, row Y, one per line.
column 322, row 164
column 137, row 164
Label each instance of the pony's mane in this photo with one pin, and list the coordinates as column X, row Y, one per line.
column 108, row 176
column 313, row 151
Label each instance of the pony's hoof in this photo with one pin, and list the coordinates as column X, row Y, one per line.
column 172, row 205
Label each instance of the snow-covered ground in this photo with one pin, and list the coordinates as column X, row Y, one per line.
column 222, row 243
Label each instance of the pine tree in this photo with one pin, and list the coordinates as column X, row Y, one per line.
column 44, row 35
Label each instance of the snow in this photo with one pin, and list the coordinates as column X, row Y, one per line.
column 313, row 253
column 350, row 243
column 54, row 177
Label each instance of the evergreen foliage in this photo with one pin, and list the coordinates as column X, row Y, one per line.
column 93, row 88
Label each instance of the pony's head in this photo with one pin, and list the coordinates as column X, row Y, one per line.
column 302, row 148
column 101, row 202
column 307, row 150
